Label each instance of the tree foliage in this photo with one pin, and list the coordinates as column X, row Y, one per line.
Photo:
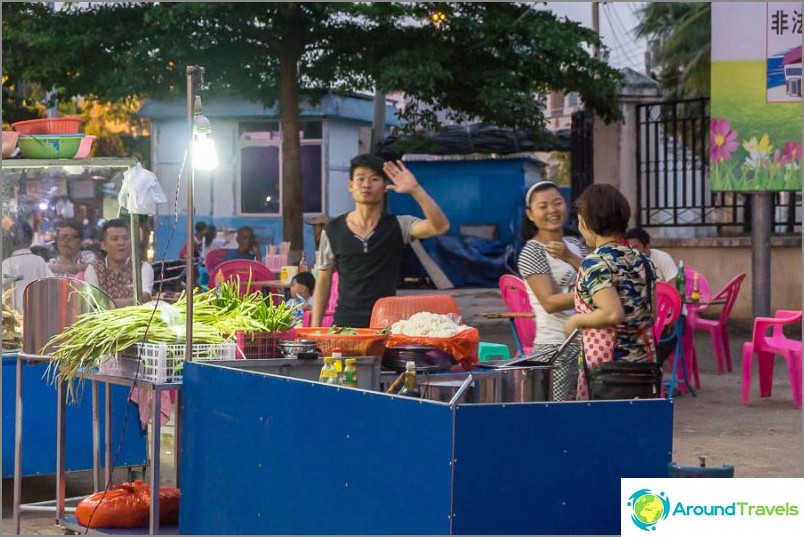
column 486, row 61
column 685, row 33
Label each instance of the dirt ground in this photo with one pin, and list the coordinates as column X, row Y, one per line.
column 761, row 440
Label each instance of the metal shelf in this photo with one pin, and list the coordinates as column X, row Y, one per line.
column 71, row 524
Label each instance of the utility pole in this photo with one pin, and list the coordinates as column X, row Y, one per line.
column 596, row 27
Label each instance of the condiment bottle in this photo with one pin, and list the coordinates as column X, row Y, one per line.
column 696, row 289
column 681, row 280
column 337, row 357
column 350, row 373
column 328, row 374
column 411, row 387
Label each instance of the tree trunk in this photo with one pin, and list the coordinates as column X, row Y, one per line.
column 292, row 202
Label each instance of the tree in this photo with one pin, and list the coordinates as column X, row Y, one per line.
column 483, row 60
column 684, row 32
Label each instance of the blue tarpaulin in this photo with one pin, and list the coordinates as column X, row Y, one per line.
column 470, row 261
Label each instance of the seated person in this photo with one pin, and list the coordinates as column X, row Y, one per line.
column 113, row 274
column 247, row 246
column 198, row 239
column 70, row 258
column 22, row 262
column 301, row 294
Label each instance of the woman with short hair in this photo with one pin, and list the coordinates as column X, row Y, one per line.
column 615, row 293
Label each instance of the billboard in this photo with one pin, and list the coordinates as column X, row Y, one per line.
column 755, row 125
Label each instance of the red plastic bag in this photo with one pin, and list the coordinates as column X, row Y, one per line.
column 127, row 506
column 462, row 346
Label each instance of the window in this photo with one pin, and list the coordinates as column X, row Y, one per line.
column 260, row 148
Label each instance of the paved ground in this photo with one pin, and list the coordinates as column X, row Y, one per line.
column 762, row 440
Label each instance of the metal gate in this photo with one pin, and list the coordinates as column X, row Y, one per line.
column 673, row 183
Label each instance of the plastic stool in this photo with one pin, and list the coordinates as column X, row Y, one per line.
column 493, row 351
column 675, row 470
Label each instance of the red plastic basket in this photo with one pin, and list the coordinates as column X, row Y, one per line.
column 391, row 309
column 259, row 345
column 50, row 125
column 367, row 342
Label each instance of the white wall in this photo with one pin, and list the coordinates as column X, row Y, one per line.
column 342, row 146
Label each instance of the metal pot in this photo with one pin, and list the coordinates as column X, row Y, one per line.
column 425, row 358
column 51, row 304
column 292, row 347
column 524, row 382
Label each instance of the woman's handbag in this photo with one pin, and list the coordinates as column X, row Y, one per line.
column 625, row 380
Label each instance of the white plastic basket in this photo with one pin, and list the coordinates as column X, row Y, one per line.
column 160, row 362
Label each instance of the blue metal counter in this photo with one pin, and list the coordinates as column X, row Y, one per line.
column 264, row 454
column 39, row 424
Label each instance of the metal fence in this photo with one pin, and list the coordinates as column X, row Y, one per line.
column 673, row 185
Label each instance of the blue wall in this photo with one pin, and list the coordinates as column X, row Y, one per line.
column 473, row 192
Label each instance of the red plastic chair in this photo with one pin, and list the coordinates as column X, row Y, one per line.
column 515, row 295
column 391, row 309
column 329, row 314
column 246, row 270
column 766, row 347
column 718, row 328
column 213, row 258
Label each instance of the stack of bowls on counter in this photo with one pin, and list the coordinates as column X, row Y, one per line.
column 48, row 138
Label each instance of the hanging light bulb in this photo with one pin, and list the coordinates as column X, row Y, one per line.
column 205, row 154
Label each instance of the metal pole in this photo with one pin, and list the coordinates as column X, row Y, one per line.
column 596, row 26
column 136, row 258
column 192, row 72
column 761, row 218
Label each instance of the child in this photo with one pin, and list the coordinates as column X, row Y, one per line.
column 301, row 293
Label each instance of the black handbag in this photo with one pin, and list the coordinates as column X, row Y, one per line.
column 625, row 380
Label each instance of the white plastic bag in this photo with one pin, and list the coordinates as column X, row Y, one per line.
column 141, row 191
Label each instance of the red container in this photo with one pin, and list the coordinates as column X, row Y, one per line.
column 367, row 342
column 260, row 345
column 50, row 125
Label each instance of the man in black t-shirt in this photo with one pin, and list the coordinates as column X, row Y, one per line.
column 365, row 246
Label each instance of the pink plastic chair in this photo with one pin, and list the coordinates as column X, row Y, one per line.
column 668, row 308
column 515, row 295
column 246, row 270
column 329, row 314
column 213, row 258
column 766, row 348
column 718, row 328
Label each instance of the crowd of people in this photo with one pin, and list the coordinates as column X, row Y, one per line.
column 601, row 282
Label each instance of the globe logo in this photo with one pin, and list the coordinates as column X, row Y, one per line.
column 648, row 508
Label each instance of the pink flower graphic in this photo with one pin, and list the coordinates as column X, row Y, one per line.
column 790, row 152
column 722, row 140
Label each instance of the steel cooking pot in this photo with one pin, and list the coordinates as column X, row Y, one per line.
column 51, row 305
column 524, row 382
column 292, row 347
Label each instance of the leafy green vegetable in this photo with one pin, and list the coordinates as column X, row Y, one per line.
column 342, row 330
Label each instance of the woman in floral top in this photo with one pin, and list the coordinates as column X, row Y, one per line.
column 615, row 293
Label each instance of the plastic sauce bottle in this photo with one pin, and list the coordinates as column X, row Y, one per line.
column 411, row 387
column 218, row 282
column 337, row 357
column 350, row 373
column 696, row 289
column 328, row 374
column 681, row 280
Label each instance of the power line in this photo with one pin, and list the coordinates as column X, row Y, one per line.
column 615, row 31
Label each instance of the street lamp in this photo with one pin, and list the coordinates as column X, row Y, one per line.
column 201, row 154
